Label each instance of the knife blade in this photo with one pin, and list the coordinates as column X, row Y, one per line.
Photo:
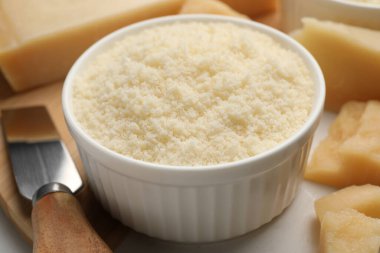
column 36, row 152
column 46, row 174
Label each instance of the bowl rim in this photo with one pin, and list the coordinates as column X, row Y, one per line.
column 279, row 36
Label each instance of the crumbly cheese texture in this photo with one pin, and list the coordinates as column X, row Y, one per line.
column 193, row 94
column 350, row 154
column 349, row 231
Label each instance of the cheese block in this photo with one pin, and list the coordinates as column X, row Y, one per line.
column 326, row 165
column 40, row 40
column 210, row 7
column 349, row 57
column 364, row 198
column 349, row 231
column 252, row 8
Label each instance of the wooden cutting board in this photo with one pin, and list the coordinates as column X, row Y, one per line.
column 16, row 207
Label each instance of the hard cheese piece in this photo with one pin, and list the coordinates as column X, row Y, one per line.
column 252, row 8
column 351, row 152
column 364, row 198
column 208, row 6
column 40, row 40
column 349, row 231
column 361, row 152
column 326, row 165
column 349, row 57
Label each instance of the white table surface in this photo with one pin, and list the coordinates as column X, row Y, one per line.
column 294, row 231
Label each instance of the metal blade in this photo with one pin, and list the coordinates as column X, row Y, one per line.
column 37, row 154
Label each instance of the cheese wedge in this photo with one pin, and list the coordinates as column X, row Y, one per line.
column 210, row 7
column 364, row 198
column 361, row 152
column 349, row 231
column 40, row 40
column 326, row 165
column 349, row 57
column 351, row 152
column 252, row 8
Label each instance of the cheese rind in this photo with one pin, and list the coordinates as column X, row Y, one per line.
column 210, row 7
column 40, row 40
column 252, row 8
column 349, row 58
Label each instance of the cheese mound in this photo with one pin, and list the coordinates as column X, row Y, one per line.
column 193, row 93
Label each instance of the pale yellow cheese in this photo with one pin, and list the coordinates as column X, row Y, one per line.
column 361, row 152
column 210, row 7
column 351, row 152
column 326, row 165
column 349, row 57
column 349, row 220
column 194, row 93
column 40, row 40
column 349, row 231
column 364, row 198
column 252, row 8
column 375, row 2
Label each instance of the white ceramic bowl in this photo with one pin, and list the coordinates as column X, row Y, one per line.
column 196, row 204
column 349, row 12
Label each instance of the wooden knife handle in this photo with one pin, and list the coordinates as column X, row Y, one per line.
column 60, row 226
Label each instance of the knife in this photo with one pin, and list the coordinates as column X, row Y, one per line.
column 46, row 174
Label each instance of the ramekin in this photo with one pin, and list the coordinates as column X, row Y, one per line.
column 203, row 203
column 344, row 11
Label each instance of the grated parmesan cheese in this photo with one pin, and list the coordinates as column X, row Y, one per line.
column 193, row 94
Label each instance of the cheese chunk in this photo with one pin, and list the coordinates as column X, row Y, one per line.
column 349, row 231
column 210, row 7
column 364, row 198
column 362, row 151
column 40, row 40
column 326, row 165
column 349, row 57
column 351, row 152
column 252, row 8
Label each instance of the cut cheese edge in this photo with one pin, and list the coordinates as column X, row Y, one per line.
column 34, row 19
column 351, row 152
column 210, row 7
column 326, row 165
column 349, row 231
column 349, row 57
column 364, row 198
column 361, row 152
column 40, row 40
